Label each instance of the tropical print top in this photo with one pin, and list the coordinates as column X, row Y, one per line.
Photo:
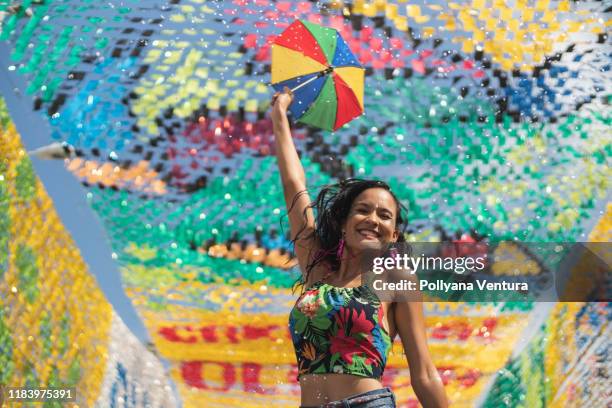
column 339, row 330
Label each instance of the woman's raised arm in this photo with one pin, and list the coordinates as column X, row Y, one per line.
column 294, row 180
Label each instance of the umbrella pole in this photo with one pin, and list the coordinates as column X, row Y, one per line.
column 319, row 75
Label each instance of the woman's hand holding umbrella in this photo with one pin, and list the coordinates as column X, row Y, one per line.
column 280, row 104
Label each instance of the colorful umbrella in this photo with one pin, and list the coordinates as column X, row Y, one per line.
column 326, row 78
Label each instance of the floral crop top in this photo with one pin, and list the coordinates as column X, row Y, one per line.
column 339, row 330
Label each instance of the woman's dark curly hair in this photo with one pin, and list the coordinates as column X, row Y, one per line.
column 331, row 209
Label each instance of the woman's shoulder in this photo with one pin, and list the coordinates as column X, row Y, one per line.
column 317, row 274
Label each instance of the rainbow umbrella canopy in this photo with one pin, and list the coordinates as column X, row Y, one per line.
column 327, row 80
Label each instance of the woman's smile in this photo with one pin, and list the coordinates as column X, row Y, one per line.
column 368, row 233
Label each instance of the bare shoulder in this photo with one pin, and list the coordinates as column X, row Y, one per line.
column 318, row 271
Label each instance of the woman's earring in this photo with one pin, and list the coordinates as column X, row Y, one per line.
column 341, row 246
column 393, row 252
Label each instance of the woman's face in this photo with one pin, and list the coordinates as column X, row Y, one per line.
column 371, row 220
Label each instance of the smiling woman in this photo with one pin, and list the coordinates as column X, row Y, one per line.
column 352, row 215
column 341, row 330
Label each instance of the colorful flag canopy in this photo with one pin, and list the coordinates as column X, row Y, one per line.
column 326, row 77
column 173, row 144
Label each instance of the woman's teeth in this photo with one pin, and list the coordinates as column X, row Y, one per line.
column 368, row 234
